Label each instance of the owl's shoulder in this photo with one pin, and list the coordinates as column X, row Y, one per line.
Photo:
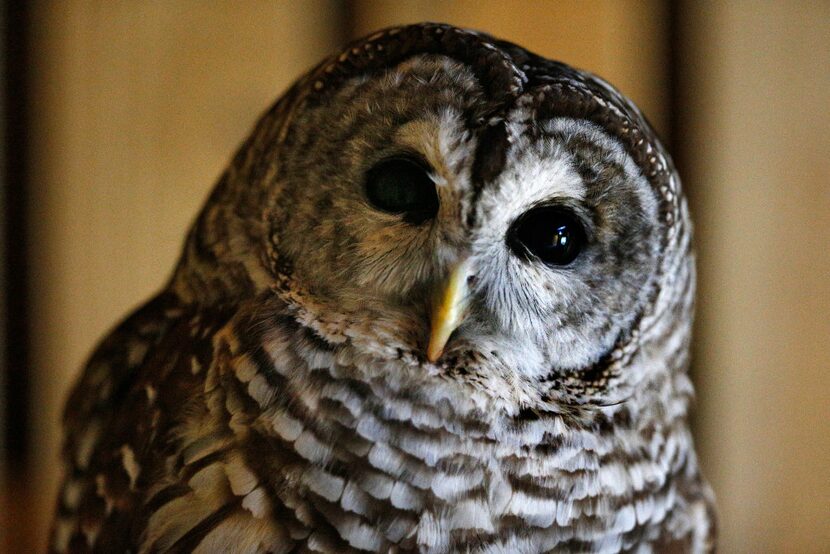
column 133, row 390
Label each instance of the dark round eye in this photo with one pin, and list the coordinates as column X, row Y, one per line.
column 402, row 186
column 552, row 234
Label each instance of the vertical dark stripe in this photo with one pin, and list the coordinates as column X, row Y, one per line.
column 674, row 97
column 343, row 11
column 348, row 19
column 15, row 264
column 680, row 59
column 4, row 393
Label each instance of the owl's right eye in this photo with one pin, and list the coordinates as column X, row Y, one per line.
column 402, row 186
column 551, row 234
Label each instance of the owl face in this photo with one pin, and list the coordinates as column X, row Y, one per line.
column 528, row 246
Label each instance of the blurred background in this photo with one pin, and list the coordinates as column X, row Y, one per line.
column 119, row 116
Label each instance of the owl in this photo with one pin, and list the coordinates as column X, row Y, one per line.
column 440, row 301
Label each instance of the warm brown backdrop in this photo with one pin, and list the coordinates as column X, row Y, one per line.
column 756, row 139
column 138, row 106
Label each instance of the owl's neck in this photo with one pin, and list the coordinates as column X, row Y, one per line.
column 383, row 463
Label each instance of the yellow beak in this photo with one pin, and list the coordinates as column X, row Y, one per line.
column 448, row 310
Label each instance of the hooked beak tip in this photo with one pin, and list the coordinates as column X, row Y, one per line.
column 449, row 310
column 434, row 353
column 441, row 327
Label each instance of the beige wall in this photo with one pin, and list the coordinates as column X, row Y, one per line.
column 757, row 87
column 138, row 106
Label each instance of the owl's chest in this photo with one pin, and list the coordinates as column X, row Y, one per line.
column 318, row 459
column 378, row 485
column 371, row 477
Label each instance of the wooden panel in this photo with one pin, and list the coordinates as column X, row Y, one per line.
column 621, row 41
column 756, row 91
column 138, row 106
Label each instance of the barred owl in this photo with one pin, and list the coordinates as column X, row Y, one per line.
column 440, row 301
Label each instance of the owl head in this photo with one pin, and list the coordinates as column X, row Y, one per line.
column 439, row 204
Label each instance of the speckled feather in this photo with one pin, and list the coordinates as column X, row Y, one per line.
column 275, row 396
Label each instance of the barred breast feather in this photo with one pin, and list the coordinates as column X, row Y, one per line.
column 260, row 437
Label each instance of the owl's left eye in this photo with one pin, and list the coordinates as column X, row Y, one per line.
column 402, row 186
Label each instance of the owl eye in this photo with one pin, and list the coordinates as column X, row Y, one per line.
column 552, row 234
column 402, row 186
